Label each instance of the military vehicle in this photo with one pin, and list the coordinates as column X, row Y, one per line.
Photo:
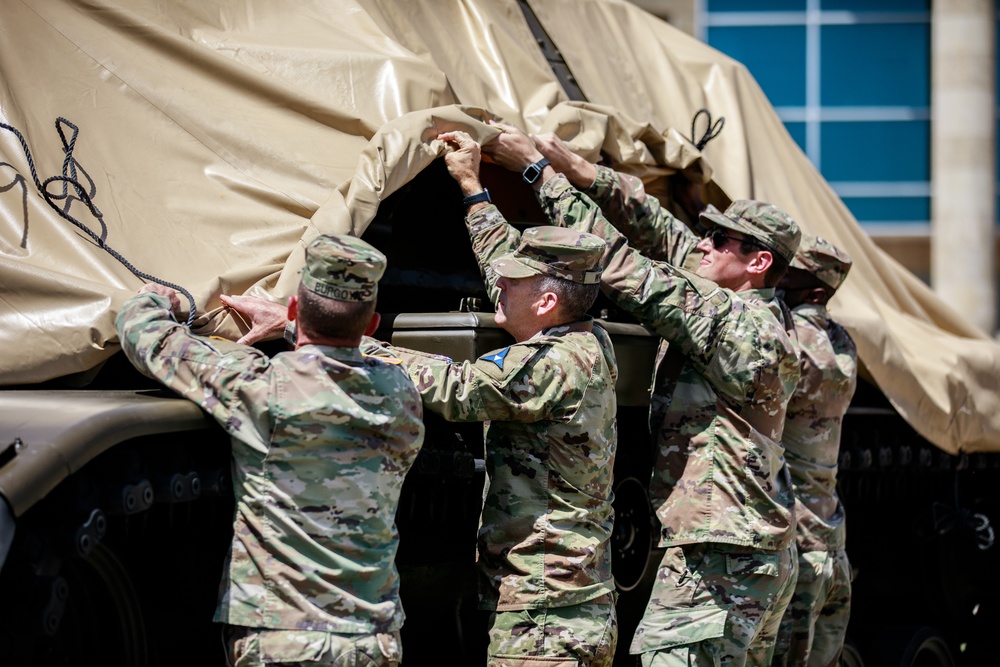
column 202, row 143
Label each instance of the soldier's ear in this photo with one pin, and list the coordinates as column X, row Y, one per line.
column 760, row 262
column 373, row 323
column 546, row 303
column 293, row 308
column 818, row 296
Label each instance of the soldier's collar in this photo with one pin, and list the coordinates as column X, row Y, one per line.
column 811, row 310
column 586, row 325
column 763, row 293
column 342, row 353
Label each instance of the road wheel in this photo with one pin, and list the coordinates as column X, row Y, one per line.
column 103, row 613
column 850, row 656
column 632, row 539
column 912, row 647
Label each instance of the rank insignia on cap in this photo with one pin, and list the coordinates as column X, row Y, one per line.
column 497, row 357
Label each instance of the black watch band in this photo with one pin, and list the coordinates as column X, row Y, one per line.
column 534, row 170
column 476, row 198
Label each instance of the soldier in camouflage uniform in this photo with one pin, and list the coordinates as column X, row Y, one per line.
column 549, row 404
column 720, row 486
column 815, row 623
column 321, row 439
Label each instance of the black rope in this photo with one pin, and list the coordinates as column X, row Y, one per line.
column 947, row 518
column 68, row 178
column 977, row 523
column 711, row 129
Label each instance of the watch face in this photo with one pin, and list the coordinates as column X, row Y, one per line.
column 534, row 170
column 531, row 173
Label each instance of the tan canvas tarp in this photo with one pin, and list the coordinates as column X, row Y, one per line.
column 216, row 136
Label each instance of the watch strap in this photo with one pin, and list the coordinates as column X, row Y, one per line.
column 476, row 198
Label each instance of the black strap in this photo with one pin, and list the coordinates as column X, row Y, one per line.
column 476, row 198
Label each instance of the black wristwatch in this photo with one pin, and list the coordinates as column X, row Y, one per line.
column 532, row 172
column 476, row 198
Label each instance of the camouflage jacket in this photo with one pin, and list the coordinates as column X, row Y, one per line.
column 719, row 388
column 321, row 440
column 549, row 407
column 828, row 363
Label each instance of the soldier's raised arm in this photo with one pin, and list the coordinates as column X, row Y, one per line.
column 491, row 236
column 649, row 228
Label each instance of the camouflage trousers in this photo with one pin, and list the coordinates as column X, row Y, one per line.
column 715, row 604
column 815, row 623
column 581, row 635
column 256, row 647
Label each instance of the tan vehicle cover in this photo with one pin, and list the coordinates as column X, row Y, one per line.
column 217, row 136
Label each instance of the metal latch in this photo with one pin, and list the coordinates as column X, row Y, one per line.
column 10, row 451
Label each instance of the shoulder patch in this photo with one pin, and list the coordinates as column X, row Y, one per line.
column 500, row 365
column 496, row 357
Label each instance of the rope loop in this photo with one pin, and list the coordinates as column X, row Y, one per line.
column 711, row 129
column 69, row 178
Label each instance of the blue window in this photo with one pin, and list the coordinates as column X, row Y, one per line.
column 875, row 65
column 758, row 6
column 875, row 5
column 773, row 54
column 889, row 209
column 876, row 151
column 798, row 132
column 864, row 119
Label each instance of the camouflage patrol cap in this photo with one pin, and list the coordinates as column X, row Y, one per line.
column 766, row 223
column 554, row 251
column 342, row 267
column 828, row 263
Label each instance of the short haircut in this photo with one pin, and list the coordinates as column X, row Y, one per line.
column 779, row 265
column 575, row 299
column 323, row 317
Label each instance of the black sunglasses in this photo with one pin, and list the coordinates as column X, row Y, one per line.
column 719, row 238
